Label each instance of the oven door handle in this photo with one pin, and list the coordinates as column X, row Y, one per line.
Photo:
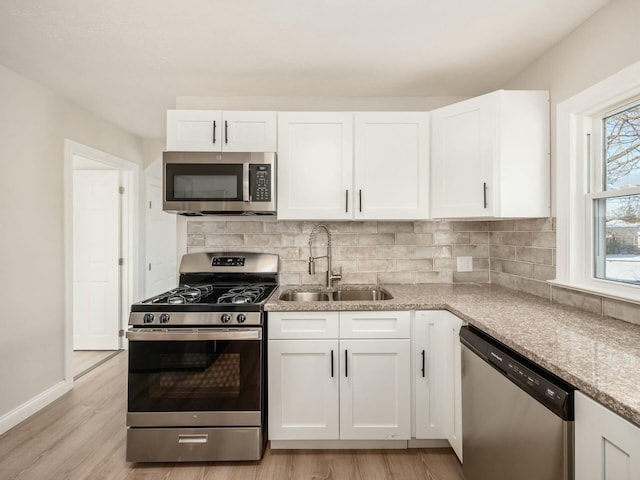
column 145, row 334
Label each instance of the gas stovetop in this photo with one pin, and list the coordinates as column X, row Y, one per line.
column 215, row 289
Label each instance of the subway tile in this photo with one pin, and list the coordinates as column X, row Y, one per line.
column 263, row 239
column 345, row 264
column 395, row 227
column 205, row 227
column 289, row 278
column 344, row 239
column 355, row 252
column 288, row 253
column 353, row 227
column 396, row 277
column 471, row 277
column 433, row 226
column 445, row 264
column 396, row 251
column 478, row 238
column 212, row 240
column 533, row 225
column 470, row 226
column 298, row 266
column 196, row 240
column 506, row 252
column 470, row 250
column 510, row 238
column 374, row 265
column 627, row 311
column 480, row 263
column 544, row 272
column 295, row 240
column 414, row 238
column 513, row 268
column 359, row 278
column 414, row 265
column 501, row 226
column 535, row 255
column 434, row 277
column 433, row 252
column 244, row 227
column 580, row 300
column 376, row 239
column 197, row 249
column 287, row 227
column 448, row 238
column 544, row 239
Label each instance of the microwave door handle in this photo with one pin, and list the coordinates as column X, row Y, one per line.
column 245, row 183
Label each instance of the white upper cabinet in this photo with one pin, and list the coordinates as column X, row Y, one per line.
column 315, row 165
column 392, row 165
column 217, row 131
column 490, row 156
column 330, row 170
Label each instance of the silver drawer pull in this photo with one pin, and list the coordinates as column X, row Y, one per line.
column 204, row 438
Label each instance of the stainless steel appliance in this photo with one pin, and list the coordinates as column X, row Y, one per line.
column 198, row 183
column 517, row 418
column 197, row 362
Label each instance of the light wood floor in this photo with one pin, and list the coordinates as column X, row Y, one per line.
column 82, row 436
column 86, row 360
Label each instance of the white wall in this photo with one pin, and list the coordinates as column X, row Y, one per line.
column 33, row 126
column 603, row 45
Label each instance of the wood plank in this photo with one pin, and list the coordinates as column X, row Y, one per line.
column 82, row 436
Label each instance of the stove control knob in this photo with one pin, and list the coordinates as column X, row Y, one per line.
column 148, row 318
column 241, row 318
column 226, row 318
column 164, row 318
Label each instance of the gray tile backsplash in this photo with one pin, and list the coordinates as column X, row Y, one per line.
column 517, row 254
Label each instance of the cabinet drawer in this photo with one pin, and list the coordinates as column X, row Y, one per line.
column 375, row 324
column 283, row 325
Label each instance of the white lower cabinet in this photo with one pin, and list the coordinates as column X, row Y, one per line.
column 607, row 447
column 354, row 385
column 437, row 377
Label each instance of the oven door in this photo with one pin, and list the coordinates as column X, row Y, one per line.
column 195, row 377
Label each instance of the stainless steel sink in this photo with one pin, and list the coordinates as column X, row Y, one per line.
column 345, row 295
column 292, row 296
column 341, row 295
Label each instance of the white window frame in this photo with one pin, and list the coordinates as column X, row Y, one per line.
column 575, row 182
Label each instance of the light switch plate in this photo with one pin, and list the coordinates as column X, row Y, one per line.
column 464, row 264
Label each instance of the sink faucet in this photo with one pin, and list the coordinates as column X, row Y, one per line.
column 312, row 266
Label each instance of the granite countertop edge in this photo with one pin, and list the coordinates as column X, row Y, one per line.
column 584, row 349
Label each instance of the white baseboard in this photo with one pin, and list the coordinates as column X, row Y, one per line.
column 24, row 411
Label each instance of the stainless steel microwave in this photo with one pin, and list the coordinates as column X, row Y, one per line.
column 200, row 183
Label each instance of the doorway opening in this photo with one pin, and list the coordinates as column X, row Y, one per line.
column 101, row 268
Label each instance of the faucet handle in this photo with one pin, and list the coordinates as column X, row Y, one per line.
column 312, row 266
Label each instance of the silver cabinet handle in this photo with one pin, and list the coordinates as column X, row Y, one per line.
column 346, row 203
column 226, row 132
column 484, row 191
column 360, row 199
column 204, row 438
column 214, row 132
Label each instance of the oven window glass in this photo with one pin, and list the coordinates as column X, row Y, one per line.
column 195, row 376
column 219, row 187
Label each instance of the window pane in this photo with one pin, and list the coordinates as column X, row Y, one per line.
column 617, row 232
column 622, row 149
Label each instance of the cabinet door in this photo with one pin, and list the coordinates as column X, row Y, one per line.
column 375, row 389
column 249, row 131
column 378, row 324
column 454, row 376
column 607, row 447
column 315, row 165
column 307, row 325
column 463, row 138
column 303, row 389
column 431, row 383
column 194, row 130
column 392, row 165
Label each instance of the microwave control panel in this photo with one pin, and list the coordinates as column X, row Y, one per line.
column 260, row 183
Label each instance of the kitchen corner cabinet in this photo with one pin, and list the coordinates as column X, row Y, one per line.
column 343, row 166
column 607, row 447
column 339, row 375
column 217, row 131
column 437, row 377
column 490, row 156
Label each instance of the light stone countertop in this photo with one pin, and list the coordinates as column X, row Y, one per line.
column 598, row 355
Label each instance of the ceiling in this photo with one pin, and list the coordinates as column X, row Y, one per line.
column 127, row 61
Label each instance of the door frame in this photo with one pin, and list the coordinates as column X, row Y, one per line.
column 129, row 274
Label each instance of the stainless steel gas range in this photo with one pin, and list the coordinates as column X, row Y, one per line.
column 197, row 356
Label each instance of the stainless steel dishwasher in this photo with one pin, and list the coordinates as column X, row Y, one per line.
column 517, row 418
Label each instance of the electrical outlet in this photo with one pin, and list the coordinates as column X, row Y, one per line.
column 465, row 264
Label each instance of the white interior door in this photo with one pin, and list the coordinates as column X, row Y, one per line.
column 96, row 249
column 160, row 235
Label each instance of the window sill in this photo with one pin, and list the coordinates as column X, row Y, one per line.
column 623, row 293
